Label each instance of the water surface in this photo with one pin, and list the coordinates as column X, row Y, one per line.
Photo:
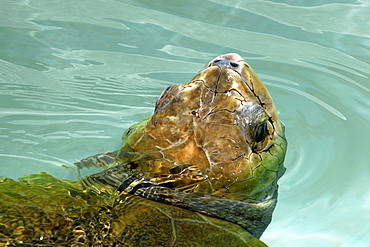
column 75, row 74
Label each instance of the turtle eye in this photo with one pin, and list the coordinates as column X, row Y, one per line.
column 261, row 132
column 165, row 92
column 162, row 98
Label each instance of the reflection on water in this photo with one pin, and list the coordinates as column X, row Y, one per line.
column 75, row 74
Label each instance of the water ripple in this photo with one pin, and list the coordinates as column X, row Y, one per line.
column 328, row 107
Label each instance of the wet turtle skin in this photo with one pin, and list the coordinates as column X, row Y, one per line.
column 201, row 171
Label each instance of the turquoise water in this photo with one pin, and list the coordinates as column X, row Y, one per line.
column 75, row 74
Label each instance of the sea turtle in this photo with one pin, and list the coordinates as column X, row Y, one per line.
column 201, row 171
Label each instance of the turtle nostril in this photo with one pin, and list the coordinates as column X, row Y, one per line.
column 226, row 63
column 234, row 65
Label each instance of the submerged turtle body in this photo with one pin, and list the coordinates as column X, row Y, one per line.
column 41, row 210
column 201, row 171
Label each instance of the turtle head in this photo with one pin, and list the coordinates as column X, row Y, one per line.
column 218, row 134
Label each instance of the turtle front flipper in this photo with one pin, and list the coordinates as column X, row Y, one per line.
column 113, row 158
column 98, row 160
column 142, row 222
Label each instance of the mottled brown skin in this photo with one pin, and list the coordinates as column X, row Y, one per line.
column 201, row 171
